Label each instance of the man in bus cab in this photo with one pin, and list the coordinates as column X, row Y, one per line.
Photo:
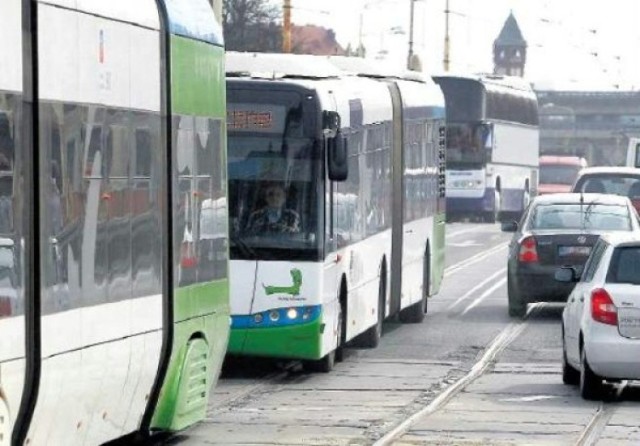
column 273, row 218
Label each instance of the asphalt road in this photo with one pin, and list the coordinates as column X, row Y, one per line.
column 467, row 375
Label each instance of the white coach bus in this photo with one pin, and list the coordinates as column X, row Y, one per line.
column 492, row 146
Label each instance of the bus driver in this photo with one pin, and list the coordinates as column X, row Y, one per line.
column 274, row 218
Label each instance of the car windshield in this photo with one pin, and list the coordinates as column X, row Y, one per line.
column 558, row 174
column 625, row 266
column 623, row 185
column 589, row 216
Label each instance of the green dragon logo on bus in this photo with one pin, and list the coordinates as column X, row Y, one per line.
column 293, row 290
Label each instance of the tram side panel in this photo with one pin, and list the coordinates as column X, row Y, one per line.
column 13, row 219
column 200, row 219
column 100, row 218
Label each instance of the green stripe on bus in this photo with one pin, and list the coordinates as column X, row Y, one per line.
column 197, row 71
column 296, row 342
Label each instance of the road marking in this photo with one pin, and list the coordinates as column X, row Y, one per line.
column 476, row 288
column 474, row 259
column 484, row 295
column 463, row 231
column 465, row 244
column 530, row 399
column 596, row 426
column 500, row 342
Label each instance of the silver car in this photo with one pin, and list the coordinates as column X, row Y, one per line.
column 601, row 321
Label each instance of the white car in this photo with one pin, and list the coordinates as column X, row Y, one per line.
column 601, row 321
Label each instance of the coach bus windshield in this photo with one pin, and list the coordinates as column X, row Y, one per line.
column 274, row 199
column 466, row 145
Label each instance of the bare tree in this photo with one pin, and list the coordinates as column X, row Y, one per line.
column 252, row 25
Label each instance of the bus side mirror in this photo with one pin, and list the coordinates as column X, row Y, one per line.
column 337, row 157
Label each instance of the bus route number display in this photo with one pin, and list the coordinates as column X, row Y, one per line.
column 255, row 118
column 250, row 120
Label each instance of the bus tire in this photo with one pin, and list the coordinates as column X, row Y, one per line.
column 414, row 314
column 328, row 361
column 371, row 337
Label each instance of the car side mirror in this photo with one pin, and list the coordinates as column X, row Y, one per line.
column 566, row 274
column 337, row 157
column 509, row 226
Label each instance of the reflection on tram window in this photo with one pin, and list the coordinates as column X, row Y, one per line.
column 11, row 281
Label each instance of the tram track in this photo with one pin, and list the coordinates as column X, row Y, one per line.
column 596, row 426
column 506, row 337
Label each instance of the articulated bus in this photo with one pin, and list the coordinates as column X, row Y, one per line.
column 114, row 306
column 336, row 205
column 492, row 146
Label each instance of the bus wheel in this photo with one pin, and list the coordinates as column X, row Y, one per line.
column 326, row 363
column 415, row 313
column 371, row 337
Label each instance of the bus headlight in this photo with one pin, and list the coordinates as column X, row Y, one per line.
column 258, row 318
column 292, row 313
column 307, row 314
column 274, row 315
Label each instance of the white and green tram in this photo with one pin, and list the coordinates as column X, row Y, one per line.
column 361, row 164
column 114, row 303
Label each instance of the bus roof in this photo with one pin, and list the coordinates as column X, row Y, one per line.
column 358, row 66
column 491, row 81
column 279, row 66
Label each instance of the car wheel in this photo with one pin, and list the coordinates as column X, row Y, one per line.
column 570, row 375
column 517, row 305
column 590, row 383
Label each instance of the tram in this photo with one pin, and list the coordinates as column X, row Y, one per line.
column 114, row 305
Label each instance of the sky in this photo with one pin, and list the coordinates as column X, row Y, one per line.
column 572, row 44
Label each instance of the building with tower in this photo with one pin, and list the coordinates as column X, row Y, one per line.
column 510, row 50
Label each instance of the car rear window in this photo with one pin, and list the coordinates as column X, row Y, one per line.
column 625, row 266
column 575, row 216
column 558, row 174
column 624, row 185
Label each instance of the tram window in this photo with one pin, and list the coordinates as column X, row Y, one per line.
column 142, row 152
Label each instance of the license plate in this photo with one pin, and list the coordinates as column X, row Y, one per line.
column 574, row 251
column 629, row 322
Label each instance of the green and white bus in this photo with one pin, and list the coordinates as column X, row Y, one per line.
column 359, row 165
column 114, row 306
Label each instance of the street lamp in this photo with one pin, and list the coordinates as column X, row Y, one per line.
column 410, row 64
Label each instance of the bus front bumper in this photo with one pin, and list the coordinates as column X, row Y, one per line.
column 301, row 341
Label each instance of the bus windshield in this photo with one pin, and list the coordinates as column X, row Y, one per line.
column 274, row 195
column 465, row 145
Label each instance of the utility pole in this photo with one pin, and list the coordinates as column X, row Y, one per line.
column 286, row 28
column 447, row 55
column 217, row 9
column 410, row 55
